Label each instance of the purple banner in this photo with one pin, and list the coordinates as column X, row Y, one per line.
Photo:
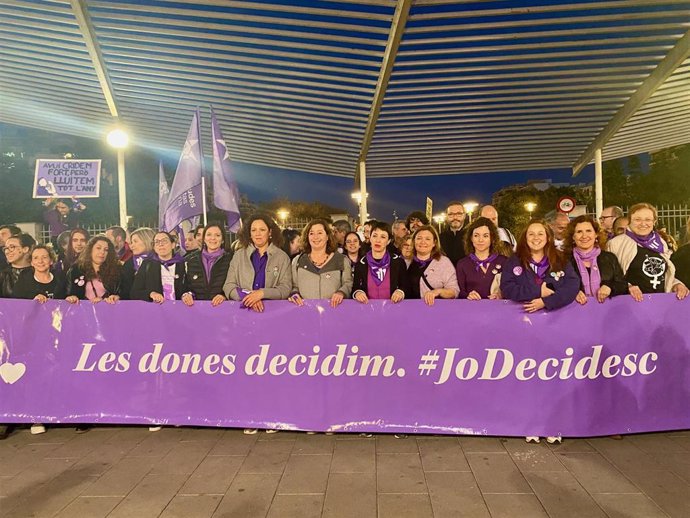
column 459, row 367
column 67, row 178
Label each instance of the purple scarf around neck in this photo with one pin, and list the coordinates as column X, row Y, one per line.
column 482, row 263
column 137, row 259
column 378, row 267
column 208, row 259
column 541, row 267
column 422, row 263
column 651, row 242
column 591, row 280
column 175, row 259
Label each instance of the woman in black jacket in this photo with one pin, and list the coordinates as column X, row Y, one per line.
column 601, row 276
column 207, row 271
column 96, row 275
column 39, row 282
column 164, row 276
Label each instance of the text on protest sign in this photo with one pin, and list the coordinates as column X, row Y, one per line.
column 67, row 178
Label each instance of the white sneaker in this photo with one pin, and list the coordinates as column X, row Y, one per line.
column 311, row 433
column 366, row 434
column 532, row 439
column 251, row 431
column 155, row 428
column 554, row 440
column 271, row 431
column 37, row 429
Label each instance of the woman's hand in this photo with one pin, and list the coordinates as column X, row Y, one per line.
column 215, row 301
column 495, row 296
column 603, row 293
column 430, row 296
column 581, row 298
column 258, row 306
column 336, row 299
column 534, row 305
column 473, row 295
column 681, row 290
column 546, row 291
column 187, row 299
column 360, row 296
column 157, row 297
column 112, row 299
column 397, row 296
column 72, row 299
column 636, row 293
column 252, row 298
column 42, row 299
column 296, row 299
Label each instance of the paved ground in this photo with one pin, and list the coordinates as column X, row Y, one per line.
column 130, row 472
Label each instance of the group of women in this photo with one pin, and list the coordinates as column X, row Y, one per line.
column 538, row 275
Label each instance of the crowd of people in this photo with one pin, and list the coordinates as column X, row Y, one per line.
column 554, row 262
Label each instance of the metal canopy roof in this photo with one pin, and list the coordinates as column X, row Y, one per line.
column 410, row 87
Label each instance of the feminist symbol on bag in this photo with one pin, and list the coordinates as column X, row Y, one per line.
column 654, row 267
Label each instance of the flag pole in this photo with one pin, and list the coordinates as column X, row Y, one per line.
column 203, row 198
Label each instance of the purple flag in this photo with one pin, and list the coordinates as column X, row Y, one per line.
column 163, row 192
column 225, row 194
column 184, row 199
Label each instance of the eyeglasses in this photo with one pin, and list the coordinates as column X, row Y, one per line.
column 161, row 241
column 10, row 248
column 606, row 217
column 455, row 214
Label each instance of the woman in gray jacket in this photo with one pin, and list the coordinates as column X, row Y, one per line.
column 320, row 272
column 260, row 269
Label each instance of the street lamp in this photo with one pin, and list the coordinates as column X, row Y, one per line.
column 439, row 219
column 357, row 196
column 470, row 207
column 119, row 139
column 283, row 215
column 530, row 206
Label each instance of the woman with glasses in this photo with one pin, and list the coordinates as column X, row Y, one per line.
column 644, row 256
column 163, row 276
column 353, row 248
column 17, row 252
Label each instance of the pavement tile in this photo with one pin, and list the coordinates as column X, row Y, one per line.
column 195, row 433
column 40, row 473
column 596, row 474
column 475, row 444
column 350, row 494
column 400, row 473
column 389, row 444
column 667, row 490
column 267, row 457
column 514, row 505
column 678, row 463
column 26, row 457
column 157, row 444
column 248, row 496
column 213, row 476
column 497, row 473
column 404, row 506
column 628, row 506
column 296, row 506
column 233, row 442
column 682, row 440
column 122, row 477
column 314, row 444
column 533, row 457
column 572, row 446
column 280, row 436
column 81, row 444
column 305, row 474
column 562, row 496
column 625, row 455
column 354, row 456
column 149, row 497
column 657, row 444
column 183, row 458
column 196, row 506
column 455, row 494
column 90, row 506
column 442, row 454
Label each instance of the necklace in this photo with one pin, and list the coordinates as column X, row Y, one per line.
column 319, row 264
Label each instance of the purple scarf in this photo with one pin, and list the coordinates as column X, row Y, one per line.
column 259, row 263
column 208, row 259
column 169, row 287
column 541, row 267
column 590, row 281
column 137, row 259
column 378, row 268
column 651, row 242
column 175, row 259
column 482, row 263
column 422, row 264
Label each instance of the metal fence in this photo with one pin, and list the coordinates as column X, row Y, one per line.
column 674, row 218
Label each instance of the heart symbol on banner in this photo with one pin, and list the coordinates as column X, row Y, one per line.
column 12, row 372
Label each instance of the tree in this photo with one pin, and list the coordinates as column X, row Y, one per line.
column 616, row 184
column 302, row 209
column 668, row 180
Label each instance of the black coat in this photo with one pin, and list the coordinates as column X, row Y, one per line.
column 148, row 279
column 610, row 271
column 8, row 278
column 681, row 260
column 397, row 273
column 27, row 287
column 76, row 284
column 196, row 276
column 453, row 244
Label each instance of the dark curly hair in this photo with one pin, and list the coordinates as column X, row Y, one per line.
column 275, row 236
column 109, row 271
column 493, row 233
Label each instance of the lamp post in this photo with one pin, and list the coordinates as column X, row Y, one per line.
column 470, row 207
column 530, row 206
column 283, row 215
column 119, row 139
column 363, row 214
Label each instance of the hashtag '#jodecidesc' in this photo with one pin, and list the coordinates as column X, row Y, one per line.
column 428, row 362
